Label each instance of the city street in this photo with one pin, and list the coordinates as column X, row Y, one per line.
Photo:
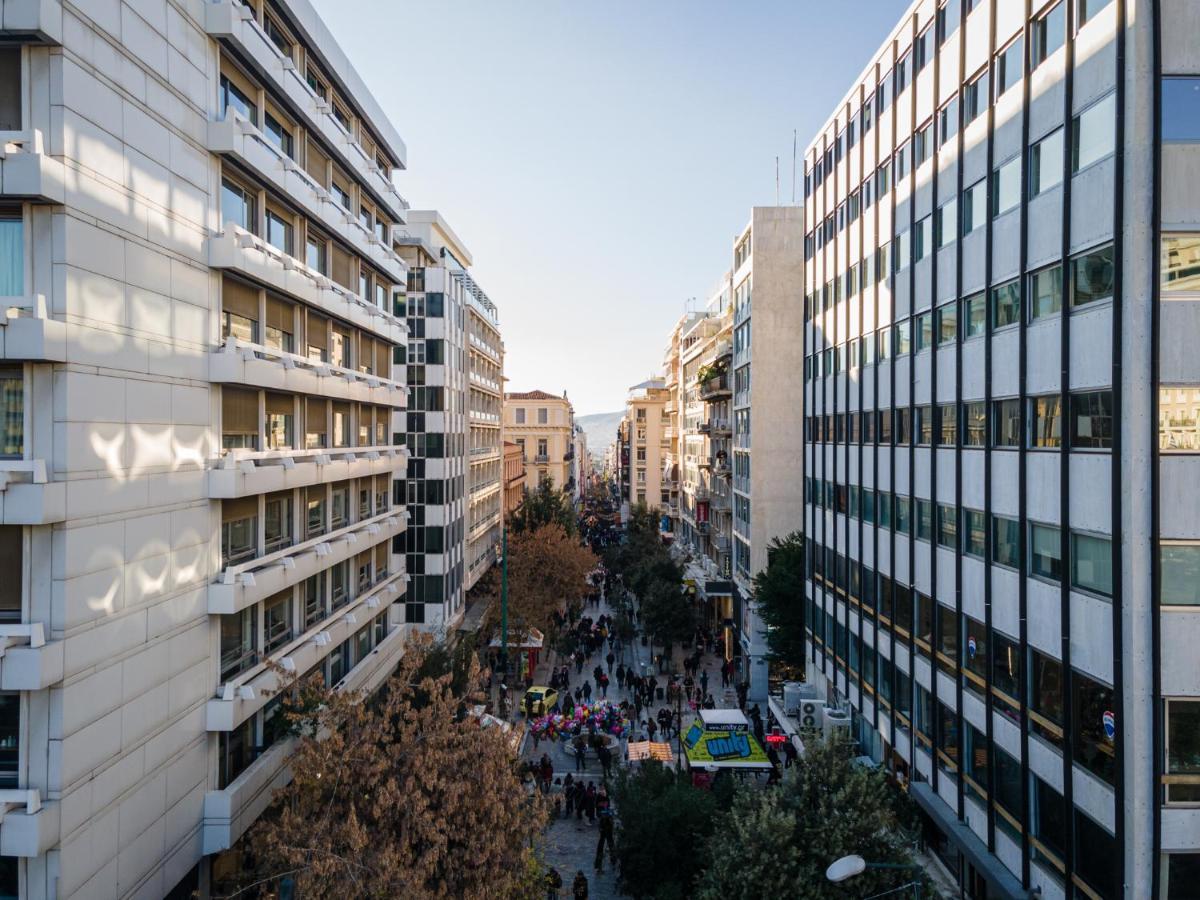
column 569, row 844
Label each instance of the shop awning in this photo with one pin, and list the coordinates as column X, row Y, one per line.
column 639, row 750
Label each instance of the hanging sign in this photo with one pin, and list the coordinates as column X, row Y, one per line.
column 1110, row 723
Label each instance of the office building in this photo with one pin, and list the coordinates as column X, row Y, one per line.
column 543, row 426
column 196, row 216
column 455, row 371
column 1000, row 498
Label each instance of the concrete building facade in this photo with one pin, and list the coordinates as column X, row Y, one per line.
column 196, row 217
column 543, row 426
column 1000, row 496
column 514, row 478
column 455, row 371
column 646, row 419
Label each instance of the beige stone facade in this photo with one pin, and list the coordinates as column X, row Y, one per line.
column 543, row 426
column 514, row 477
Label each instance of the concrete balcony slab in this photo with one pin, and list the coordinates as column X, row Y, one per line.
column 26, row 170
column 242, row 474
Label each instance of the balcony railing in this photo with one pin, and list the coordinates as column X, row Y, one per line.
column 542, row 458
column 716, row 386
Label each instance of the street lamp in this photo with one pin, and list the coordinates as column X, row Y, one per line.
column 849, row 866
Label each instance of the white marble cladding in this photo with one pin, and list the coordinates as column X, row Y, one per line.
column 122, row 428
column 241, row 139
column 40, row 20
column 243, row 252
column 247, row 583
column 26, row 171
column 243, row 473
column 233, row 21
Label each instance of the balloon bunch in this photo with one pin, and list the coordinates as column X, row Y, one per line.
column 601, row 717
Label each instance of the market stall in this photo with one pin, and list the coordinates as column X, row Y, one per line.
column 638, row 751
column 720, row 739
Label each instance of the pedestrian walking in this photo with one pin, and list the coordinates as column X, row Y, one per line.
column 579, row 756
column 553, row 883
column 620, row 675
column 589, row 803
column 603, row 685
column 569, row 793
column 651, row 728
column 606, row 838
column 587, row 691
column 789, row 754
column 580, row 886
column 610, row 659
column 704, row 682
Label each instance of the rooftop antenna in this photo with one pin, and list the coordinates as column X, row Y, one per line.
column 793, row 167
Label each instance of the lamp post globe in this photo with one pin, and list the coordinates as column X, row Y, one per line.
column 846, row 867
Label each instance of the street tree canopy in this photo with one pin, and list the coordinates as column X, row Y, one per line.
column 779, row 842
column 397, row 797
column 779, row 598
column 547, row 569
column 541, row 506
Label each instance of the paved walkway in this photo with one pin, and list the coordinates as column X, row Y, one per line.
column 569, row 845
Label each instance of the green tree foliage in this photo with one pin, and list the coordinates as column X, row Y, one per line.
column 648, row 570
column 662, row 832
column 667, row 616
column 779, row 596
column 780, row 841
column 544, row 505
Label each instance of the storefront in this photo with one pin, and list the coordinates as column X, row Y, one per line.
column 720, row 740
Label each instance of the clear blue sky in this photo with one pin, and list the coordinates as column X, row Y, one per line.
column 597, row 157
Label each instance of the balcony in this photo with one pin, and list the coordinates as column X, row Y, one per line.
column 716, row 387
column 241, row 139
column 724, row 349
column 722, row 543
column 717, row 427
column 27, row 496
column 569, row 455
column 229, row 812
column 704, row 462
column 242, row 473
column 239, row 250
column 38, row 21
column 541, row 459
column 26, row 170
column 233, row 21
column 28, row 333
column 720, row 466
column 246, row 583
column 28, row 662
column 720, row 502
column 240, row 362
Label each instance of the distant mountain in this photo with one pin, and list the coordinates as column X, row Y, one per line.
column 601, row 429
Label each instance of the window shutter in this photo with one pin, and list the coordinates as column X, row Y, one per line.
column 239, row 298
column 239, row 411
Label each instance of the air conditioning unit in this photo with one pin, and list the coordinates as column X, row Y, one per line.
column 812, row 716
column 836, row 723
column 794, row 693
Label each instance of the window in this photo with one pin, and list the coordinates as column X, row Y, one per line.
column 924, row 331
column 903, row 522
column 947, row 526
column 238, row 642
column 1006, row 542
column 974, row 315
column 1180, row 109
column 1086, row 10
column 901, row 256
column 1091, row 420
column 1179, row 576
column 1045, row 552
column 279, row 135
column 239, row 531
column 542, row 415
column 922, row 239
column 1006, row 187
column 1048, row 825
column 1181, row 875
column 947, row 122
column 924, row 425
column 922, row 50
column 1045, row 696
column 1047, row 34
column 1006, row 305
column 1094, row 134
column 947, row 323
column 947, row 20
column 947, row 424
column 974, row 207
column 230, row 96
column 1046, row 163
column 923, row 144
column 277, row 621
column 1091, row 563
column 1045, row 421
column 316, row 255
column 1091, row 276
column 902, row 73
column 974, row 424
column 974, row 533
column 238, row 206
column 520, row 415
column 1096, row 853
column 1091, row 709
column 901, row 162
column 1180, row 257
column 315, row 512
column 1008, row 66
column 1006, row 423
column 11, row 87
column 1183, row 751
column 975, row 97
column 945, row 223
column 277, row 522
column 12, row 408
column 12, row 249
column 1045, row 292
column 279, row 232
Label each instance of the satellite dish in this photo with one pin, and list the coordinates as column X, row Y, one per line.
column 846, row 867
